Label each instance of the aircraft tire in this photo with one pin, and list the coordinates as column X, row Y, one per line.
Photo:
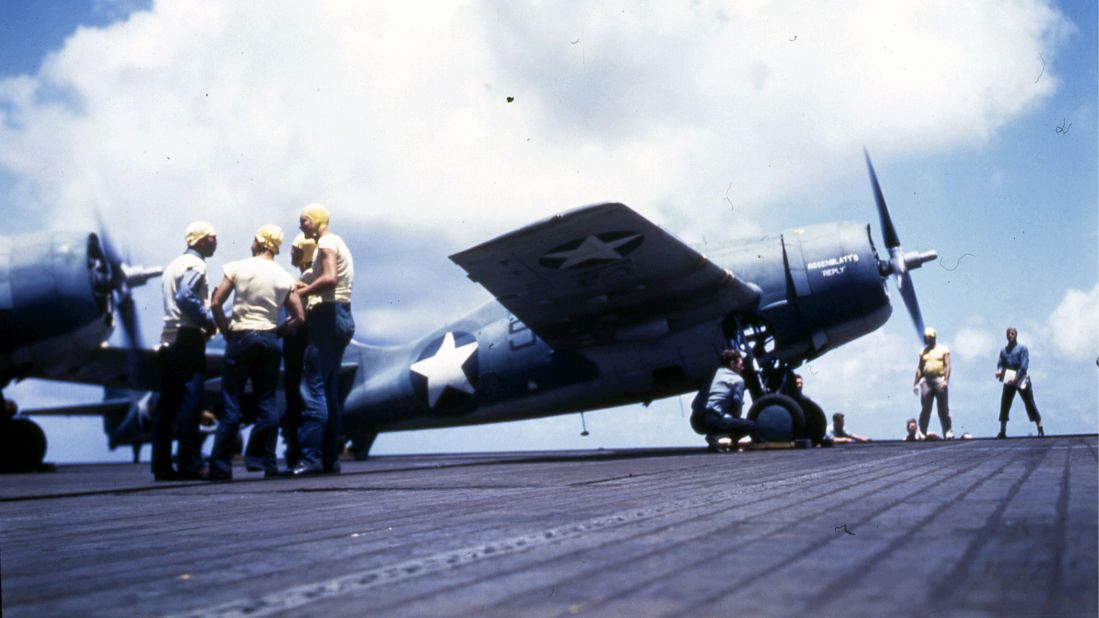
column 816, row 422
column 778, row 418
column 22, row 445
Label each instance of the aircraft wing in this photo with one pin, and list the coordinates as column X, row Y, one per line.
column 124, row 368
column 98, row 408
column 602, row 273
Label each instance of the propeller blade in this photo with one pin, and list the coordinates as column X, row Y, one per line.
column 889, row 233
column 109, row 251
column 127, row 314
column 908, row 293
column 123, row 278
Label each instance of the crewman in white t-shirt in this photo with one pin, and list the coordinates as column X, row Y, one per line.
column 252, row 351
column 330, row 327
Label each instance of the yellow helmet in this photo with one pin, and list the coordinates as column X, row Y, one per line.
column 318, row 214
column 270, row 237
column 197, row 231
column 308, row 248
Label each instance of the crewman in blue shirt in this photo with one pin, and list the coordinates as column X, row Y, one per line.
column 1011, row 369
column 720, row 416
column 188, row 323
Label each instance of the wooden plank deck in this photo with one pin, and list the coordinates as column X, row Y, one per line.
column 983, row 527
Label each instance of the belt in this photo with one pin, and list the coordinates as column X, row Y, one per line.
column 233, row 334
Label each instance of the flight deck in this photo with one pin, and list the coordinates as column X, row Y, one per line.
column 983, row 527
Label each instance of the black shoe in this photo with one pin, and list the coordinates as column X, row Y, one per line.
column 1001, row 435
column 306, row 470
column 333, row 469
column 1041, row 432
column 166, row 477
column 194, row 475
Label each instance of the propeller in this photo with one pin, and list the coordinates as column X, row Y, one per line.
column 116, row 280
column 899, row 264
column 119, row 280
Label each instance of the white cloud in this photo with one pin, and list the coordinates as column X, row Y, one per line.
column 1074, row 325
column 974, row 343
column 240, row 113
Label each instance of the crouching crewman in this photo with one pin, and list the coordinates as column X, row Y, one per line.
column 716, row 412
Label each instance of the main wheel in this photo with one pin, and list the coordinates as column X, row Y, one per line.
column 816, row 423
column 778, row 418
column 22, row 445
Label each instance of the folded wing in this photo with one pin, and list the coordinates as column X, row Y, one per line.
column 600, row 274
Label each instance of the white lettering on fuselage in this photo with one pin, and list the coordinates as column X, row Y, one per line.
column 832, row 263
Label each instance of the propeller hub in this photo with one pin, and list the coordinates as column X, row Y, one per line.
column 915, row 260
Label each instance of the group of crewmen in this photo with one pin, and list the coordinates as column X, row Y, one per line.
column 717, row 409
column 317, row 327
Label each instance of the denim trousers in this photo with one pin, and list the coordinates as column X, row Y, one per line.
column 293, row 348
column 255, row 356
column 1027, row 394
column 182, row 367
column 716, row 423
column 330, row 327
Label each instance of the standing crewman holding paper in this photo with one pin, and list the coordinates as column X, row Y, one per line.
column 1012, row 368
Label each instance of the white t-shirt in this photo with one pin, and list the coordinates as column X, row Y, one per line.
column 261, row 287
column 345, row 269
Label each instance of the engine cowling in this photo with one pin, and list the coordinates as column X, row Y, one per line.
column 55, row 295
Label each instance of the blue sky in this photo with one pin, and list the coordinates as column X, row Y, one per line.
column 981, row 121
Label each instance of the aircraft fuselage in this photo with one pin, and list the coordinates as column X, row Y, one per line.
column 820, row 288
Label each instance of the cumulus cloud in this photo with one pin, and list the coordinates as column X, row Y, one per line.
column 1074, row 325
column 974, row 343
column 233, row 112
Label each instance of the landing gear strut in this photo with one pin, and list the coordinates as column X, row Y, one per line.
column 781, row 411
column 360, row 445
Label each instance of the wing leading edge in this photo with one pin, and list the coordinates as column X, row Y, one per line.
column 600, row 274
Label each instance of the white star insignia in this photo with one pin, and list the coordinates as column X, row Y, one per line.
column 591, row 249
column 444, row 369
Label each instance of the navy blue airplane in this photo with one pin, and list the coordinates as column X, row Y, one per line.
column 595, row 307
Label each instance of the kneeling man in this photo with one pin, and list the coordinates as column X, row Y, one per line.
column 719, row 415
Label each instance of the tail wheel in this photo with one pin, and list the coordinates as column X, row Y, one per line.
column 778, row 418
column 22, row 445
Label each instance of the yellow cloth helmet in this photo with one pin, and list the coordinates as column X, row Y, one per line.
column 197, row 231
column 318, row 214
column 270, row 237
column 308, row 248
column 929, row 332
